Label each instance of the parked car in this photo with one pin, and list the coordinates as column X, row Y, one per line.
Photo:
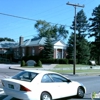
column 41, row 85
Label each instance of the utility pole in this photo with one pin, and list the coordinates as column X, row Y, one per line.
column 74, row 59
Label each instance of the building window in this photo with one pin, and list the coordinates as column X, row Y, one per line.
column 23, row 52
column 33, row 52
column 17, row 52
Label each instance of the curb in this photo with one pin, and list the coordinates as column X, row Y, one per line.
column 79, row 68
column 16, row 69
column 69, row 74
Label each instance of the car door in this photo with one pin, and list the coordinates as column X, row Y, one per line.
column 50, row 86
column 64, row 85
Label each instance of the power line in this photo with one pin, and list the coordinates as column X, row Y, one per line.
column 28, row 18
column 18, row 17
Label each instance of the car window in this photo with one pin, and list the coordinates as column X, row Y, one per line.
column 46, row 79
column 25, row 76
column 58, row 78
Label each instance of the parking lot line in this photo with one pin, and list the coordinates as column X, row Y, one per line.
column 8, row 98
column 2, row 91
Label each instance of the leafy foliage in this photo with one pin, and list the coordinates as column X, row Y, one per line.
column 95, row 31
column 82, row 46
column 54, row 31
column 82, row 49
column 82, row 23
column 95, row 22
column 48, row 49
column 23, row 63
column 39, row 63
column 7, row 39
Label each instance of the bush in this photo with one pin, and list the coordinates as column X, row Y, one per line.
column 55, row 61
column 70, row 61
column 26, row 58
column 39, row 63
column 23, row 63
column 65, row 61
column 62, row 61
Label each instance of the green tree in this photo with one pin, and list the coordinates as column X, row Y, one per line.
column 82, row 24
column 82, row 45
column 54, row 31
column 7, row 39
column 48, row 49
column 82, row 49
column 95, row 32
column 95, row 22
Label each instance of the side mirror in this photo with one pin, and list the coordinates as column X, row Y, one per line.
column 68, row 80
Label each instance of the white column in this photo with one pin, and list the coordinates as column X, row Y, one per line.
column 56, row 53
column 62, row 54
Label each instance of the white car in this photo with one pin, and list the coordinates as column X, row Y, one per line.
column 41, row 85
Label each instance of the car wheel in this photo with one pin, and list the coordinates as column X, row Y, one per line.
column 46, row 96
column 80, row 92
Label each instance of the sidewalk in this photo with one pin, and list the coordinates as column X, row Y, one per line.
column 51, row 67
column 44, row 67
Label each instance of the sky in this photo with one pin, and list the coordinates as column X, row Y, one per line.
column 54, row 11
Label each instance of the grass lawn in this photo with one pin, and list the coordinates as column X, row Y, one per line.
column 80, row 72
column 88, row 71
column 69, row 65
column 60, row 68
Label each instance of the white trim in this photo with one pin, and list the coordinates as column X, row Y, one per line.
column 60, row 43
column 56, row 53
column 62, row 54
column 59, row 47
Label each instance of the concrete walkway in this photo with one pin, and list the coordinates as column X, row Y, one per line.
column 44, row 67
column 51, row 67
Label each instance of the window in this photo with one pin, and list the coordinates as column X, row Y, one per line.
column 25, row 76
column 17, row 51
column 23, row 52
column 33, row 51
column 58, row 78
column 46, row 79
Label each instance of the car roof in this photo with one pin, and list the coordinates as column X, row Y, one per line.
column 40, row 71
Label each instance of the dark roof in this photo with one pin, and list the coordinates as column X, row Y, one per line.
column 7, row 44
column 35, row 41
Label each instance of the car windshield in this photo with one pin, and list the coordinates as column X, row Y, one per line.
column 25, row 76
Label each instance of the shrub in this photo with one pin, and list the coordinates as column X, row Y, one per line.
column 65, row 61
column 35, row 58
column 23, row 63
column 39, row 63
column 62, row 61
column 70, row 61
column 55, row 61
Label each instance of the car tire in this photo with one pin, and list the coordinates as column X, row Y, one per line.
column 46, row 96
column 80, row 92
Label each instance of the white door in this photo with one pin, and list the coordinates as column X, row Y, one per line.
column 59, row 55
column 64, row 85
column 47, row 84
